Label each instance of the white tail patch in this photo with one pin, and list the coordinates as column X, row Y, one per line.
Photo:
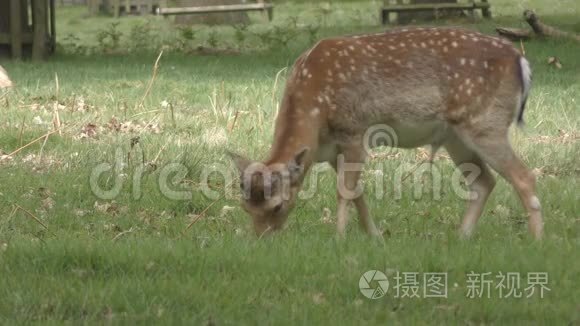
column 526, row 72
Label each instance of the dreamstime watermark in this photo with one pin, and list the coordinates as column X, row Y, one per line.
column 108, row 179
column 375, row 284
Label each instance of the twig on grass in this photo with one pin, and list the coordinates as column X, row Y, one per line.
column 34, row 141
column 202, row 214
column 18, row 207
column 122, row 234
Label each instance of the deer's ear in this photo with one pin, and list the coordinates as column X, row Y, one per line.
column 296, row 164
column 241, row 162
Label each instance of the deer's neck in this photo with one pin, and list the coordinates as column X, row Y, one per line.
column 296, row 127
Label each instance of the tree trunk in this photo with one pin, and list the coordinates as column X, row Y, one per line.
column 230, row 18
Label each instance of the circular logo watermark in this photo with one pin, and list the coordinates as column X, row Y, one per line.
column 373, row 284
column 380, row 135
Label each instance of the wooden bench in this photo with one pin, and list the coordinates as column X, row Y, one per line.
column 265, row 7
column 470, row 6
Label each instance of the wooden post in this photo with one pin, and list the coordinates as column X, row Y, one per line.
column 39, row 17
column 52, row 26
column 16, row 28
column 93, row 7
column 127, row 7
column 485, row 12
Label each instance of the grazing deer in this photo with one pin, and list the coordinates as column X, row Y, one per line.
column 432, row 86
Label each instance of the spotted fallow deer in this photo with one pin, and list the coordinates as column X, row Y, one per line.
column 432, row 86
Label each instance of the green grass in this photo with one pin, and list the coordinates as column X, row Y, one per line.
column 131, row 259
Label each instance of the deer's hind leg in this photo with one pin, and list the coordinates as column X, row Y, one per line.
column 494, row 149
column 480, row 181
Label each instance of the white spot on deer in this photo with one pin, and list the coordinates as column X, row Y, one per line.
column 535, row 203
column 326, row 53
column 304, row 72
column 462, row 61
column 410, row 65
column 463, row 37
column 497, row 45
column 342, row 76
column 353, row 68
column 452, row 33
column 329, row 72
column 467, row 81
column 456, row 97
column 469, row 91
column 300, row 122
column 319, row 99
column 456, row 75
column 315, row 112
column 475, row 39
column 398, row 61
column 350, row 47
column 402, row 44
column 337, row 65
column 309, row 76
column 460, row 88
column 423, row 45
column 445, row 49
column 472, row 62
column 454, row 44
column 449, row 77
column 480, row 79
column 392, row 47
column 485, row 64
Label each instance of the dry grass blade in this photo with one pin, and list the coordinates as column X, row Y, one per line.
column 152, row 80
column 56, row 119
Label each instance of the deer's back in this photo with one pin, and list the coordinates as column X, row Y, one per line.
column 405, row 77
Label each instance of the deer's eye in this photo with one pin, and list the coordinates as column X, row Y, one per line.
column 277, row 208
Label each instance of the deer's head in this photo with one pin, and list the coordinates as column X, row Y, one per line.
column 269, row 191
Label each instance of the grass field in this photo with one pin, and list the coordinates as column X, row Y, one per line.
column 69, row 254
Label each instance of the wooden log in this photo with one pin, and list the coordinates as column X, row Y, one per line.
column 16, row 29
column 542, row 29
column 39, row 19
column 514, row 34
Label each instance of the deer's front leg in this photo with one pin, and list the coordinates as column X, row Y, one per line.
column 348, row 166
column 366, row 222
